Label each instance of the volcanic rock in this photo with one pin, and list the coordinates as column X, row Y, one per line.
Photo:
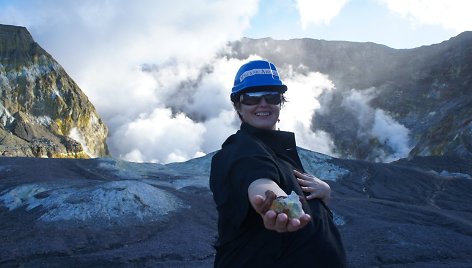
column 43, row 112
column 426, row 89
column 105, row 212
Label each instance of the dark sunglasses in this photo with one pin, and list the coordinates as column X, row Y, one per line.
column 253, row 98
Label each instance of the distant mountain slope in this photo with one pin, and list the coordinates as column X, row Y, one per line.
column 43, row 113
column 428, row 90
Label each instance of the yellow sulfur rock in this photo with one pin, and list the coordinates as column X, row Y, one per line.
column 289, row 205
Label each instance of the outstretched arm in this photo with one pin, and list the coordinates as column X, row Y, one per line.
column 273, row 221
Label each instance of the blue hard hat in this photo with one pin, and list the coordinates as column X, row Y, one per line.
column 257, row 74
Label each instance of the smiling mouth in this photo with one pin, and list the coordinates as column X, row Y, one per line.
column 263, row 114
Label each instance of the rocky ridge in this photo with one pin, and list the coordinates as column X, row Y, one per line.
column 43, row 113
column 425, row 89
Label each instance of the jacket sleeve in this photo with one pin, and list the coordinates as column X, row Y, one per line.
column 243, row 172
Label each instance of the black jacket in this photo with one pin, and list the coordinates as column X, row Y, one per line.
column 243, row 241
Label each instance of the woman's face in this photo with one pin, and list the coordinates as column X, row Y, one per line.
column 262, row 115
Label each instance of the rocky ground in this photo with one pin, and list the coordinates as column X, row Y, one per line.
column 103, row 212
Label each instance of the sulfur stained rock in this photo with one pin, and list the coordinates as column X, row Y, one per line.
column 289, row 205
column 43, row 112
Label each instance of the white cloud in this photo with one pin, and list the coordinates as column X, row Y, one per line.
column 218, row 129
column 296, row 115
column 357, row 102
column 165, row 132
column 77, row 136
column 159, row 114
column 376, row 123
column 451, row 14
column 392, row 134
column 159, row 137
column 148, row 67
column 318, row 11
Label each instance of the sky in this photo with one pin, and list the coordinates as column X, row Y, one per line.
column 150, row 66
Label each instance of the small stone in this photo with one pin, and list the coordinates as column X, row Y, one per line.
column 289, row 205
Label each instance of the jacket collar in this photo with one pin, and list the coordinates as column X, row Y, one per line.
column 277, row 140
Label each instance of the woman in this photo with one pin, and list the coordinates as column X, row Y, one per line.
column 259, row 158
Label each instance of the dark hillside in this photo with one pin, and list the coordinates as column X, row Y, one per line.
column 425, row 89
